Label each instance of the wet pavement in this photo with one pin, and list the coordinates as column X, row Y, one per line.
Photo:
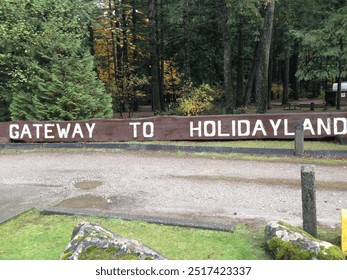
column 165, row 187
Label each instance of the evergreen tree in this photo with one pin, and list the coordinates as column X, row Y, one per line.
column 53, row 74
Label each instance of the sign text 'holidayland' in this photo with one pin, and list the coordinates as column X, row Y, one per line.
column 227, row 127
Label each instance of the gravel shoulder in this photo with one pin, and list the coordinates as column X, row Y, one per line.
column 166, row 185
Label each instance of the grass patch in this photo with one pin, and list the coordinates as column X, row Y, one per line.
column 336, row 185
column 33, row 236
column 269, row 144
column 271, row 158
column 281, row 144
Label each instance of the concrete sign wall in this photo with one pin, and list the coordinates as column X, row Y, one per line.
column 224, row 127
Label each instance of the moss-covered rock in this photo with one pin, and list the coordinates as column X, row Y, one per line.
column 92, row 242
column 286, row 242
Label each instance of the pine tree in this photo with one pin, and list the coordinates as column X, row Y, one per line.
column 53, row 77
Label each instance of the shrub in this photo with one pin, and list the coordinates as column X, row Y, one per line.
column 197, row 101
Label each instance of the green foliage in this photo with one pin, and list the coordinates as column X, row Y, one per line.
column 284, row 250
column 277, row 89
column 128, row 91
column 110, row 253
column 48, row 69
column 197, row 101
column 324, row 53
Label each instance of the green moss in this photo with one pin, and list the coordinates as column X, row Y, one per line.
column 295, row 229
column 66, row 255
column 127, row 256
column 80, row 238
column 332, row 253
column 284, row 250
column 110, row 253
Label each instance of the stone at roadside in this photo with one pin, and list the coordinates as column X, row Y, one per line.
column 92, row 242
column 286, row 242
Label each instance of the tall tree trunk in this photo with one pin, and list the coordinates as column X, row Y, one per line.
column 294, row 67
column 186, row 35
column 153, row 41
column 113, row 39
column 270, row 76
column 286, row 80
column 340, row 78
column 115, row 51
column 134, row 29
column 228, row 94
column 160, row 53
column 240, row 61
column 252, row 77
column 125, row 42
column 262, row 76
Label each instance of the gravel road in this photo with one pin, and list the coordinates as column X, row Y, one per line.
column 166, row 185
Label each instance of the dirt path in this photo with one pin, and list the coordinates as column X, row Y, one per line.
column 166, row 185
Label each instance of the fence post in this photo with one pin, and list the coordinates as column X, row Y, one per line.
column 299, row 140
column 308, row 192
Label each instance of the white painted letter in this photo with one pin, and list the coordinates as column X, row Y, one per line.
column 275, row 126
column 220, row 134
column 192, row 129
column 308, row 126
column 247, row 131
column 77, row 130
column 233, row 128
column 212, row 124
column 13, row 129
column 26, row 131
column 151, row 129
column 286, row 132
column 259, row 126
column 48, row 131
column 344, row 126
column 135, row 125
column 63, row 132
column 37, row 125
column 90, row 129
column 327, row 127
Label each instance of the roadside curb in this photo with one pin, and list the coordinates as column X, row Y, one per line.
column 15, row 215
column 172, row 148
column 148, row 219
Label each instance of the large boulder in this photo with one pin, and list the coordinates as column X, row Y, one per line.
column 286, row 242
column 92, row 242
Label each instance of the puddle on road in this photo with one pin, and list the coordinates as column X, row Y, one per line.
column 89, row 201
column 84, row 201
column 88, row 185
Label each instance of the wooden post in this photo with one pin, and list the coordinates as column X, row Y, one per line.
column 308, row 191
column 299, row 140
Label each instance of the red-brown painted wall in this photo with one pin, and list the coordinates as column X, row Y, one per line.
column 224, row 127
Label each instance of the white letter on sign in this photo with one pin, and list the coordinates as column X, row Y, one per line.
column 343, row 122
column 14, row 134
column 151, row 129
column 275, row 126
column 212, row 126
column 198, row 129
column 90, row 129
column 135, row 125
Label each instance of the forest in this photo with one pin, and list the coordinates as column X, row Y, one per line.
column 83, row 59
